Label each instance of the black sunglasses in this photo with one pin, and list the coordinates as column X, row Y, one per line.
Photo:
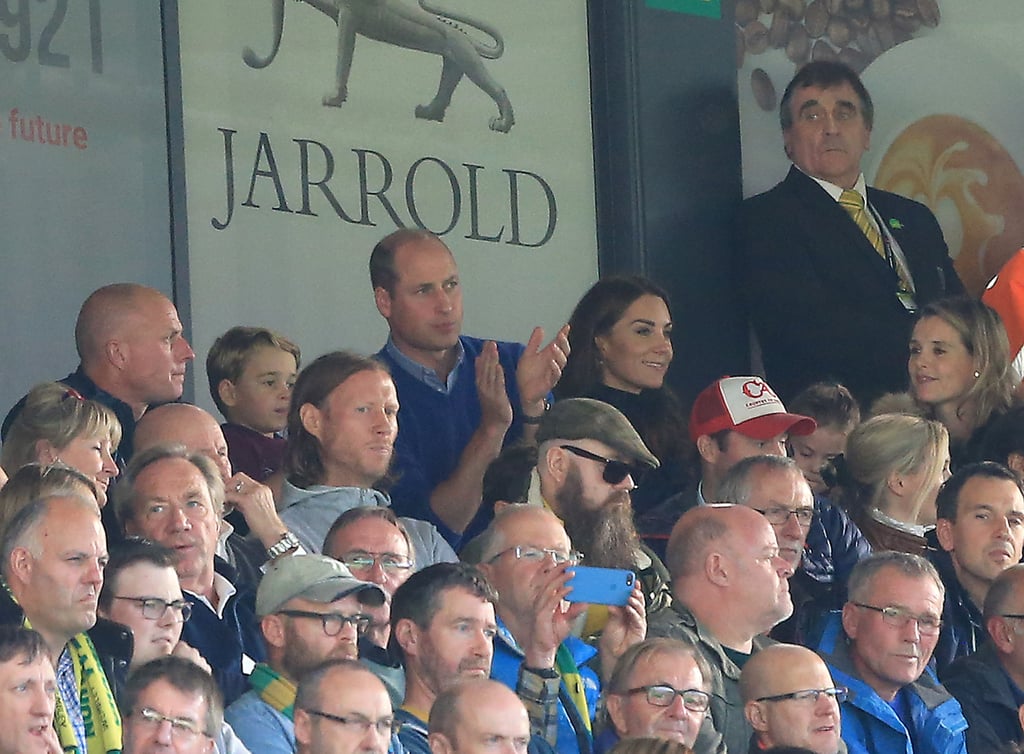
column 614, row 471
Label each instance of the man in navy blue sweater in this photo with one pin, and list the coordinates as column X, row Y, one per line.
column 461, row 398
column 176, row 497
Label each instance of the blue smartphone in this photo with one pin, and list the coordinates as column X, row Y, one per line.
column 600, row 586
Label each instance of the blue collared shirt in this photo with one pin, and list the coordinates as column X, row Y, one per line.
column 426, row 375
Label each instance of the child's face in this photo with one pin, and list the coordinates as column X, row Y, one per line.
column 813, row 451
column 261, row 395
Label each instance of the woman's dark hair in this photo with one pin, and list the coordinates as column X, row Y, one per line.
column 662, row 423
column 596, row 314
column 303, row 462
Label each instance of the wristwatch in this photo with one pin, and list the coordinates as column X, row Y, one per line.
column 527, row 419
column 288, row 541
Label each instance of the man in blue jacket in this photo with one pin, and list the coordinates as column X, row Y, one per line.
column 528, row 558
column 879, row 648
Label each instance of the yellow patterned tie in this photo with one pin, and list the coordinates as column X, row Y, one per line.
column 853, row 203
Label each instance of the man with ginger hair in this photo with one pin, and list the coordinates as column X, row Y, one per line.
column 729, row 586
column 790, row 700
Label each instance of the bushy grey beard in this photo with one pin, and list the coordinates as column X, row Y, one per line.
column 605, row 533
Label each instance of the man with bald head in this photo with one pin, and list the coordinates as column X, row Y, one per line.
column 342, row 708
column 197, row 430
column 988, row 683
column 53, row 555
column 479, row 717
column 132, row 352
column 729, row 586
column 790, row 700
column 528, row 558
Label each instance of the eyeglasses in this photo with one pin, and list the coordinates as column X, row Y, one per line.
column 839, row 693
column 332, row 622
column 778, row 516
column 154, row 608
column 538, row 554
column 694, row 700
column 897, row 617
column 614, row 471
column 388, row 561
column 182, row 728
column 386, row 726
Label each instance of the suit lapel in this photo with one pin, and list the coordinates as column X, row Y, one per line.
column 844, row 248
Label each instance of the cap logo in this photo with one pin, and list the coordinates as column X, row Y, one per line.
column 755, row 388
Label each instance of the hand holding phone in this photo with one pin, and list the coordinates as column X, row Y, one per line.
column 600, row 586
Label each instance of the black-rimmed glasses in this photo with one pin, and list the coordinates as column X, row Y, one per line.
column 385, row 726
column 839, row 693
column 661, row 695
column 332, row 622
column 614, row 471
column 154, row 608
column 898, row 617
column 778, row 516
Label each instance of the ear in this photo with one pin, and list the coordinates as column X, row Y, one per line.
column 1001, row 634
column 226, row 391
column 383, row 301
column 45, row 452
column 850, row 619
column 407, row 634
column 439, row 744
column 273, row 630
column 303, row 727
column 311, row 418
column 601, row 344
column 557, row 463
column 117, row 353
column 894, row 481
column 1016, row 462
column 614, row 703
column 21, row 564
column 944, row 532
column 708, row 449
column 716, row 568
column 754, row 712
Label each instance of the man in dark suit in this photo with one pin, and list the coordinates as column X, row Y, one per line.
column 832, row 284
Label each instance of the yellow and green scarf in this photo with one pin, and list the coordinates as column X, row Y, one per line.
column 99, row 710
column 276, row 691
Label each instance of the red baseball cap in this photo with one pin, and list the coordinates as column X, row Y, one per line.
column 746, row 405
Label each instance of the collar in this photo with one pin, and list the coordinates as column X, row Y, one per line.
column 224, row 590
column 861, row 186
column 916, row 529
column 426, row 375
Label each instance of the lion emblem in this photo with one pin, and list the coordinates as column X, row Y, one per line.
column 415, row 27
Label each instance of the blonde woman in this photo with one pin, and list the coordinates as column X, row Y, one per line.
column 891, row 472
column 960, row 371
column 57, row 424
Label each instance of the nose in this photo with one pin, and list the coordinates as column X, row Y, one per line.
column 483, row 646
column 164, row 733
column 185, row 352
column 912, row 631
column 444, row 300
column 792, row 529
column 94, row 574
column 179, row 521
column 775, row 447
column 375, row 573
column 109, row 466
column 825, row 705
column 626, row 484
column 783, row 568
column 42, row 703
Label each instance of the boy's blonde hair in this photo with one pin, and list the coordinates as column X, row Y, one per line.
column 58, row 414
column 229, row 353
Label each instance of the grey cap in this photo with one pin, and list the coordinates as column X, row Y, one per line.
column 586, row 418
column 311, row 577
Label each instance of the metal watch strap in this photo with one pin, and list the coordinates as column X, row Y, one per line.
column 288, row 541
